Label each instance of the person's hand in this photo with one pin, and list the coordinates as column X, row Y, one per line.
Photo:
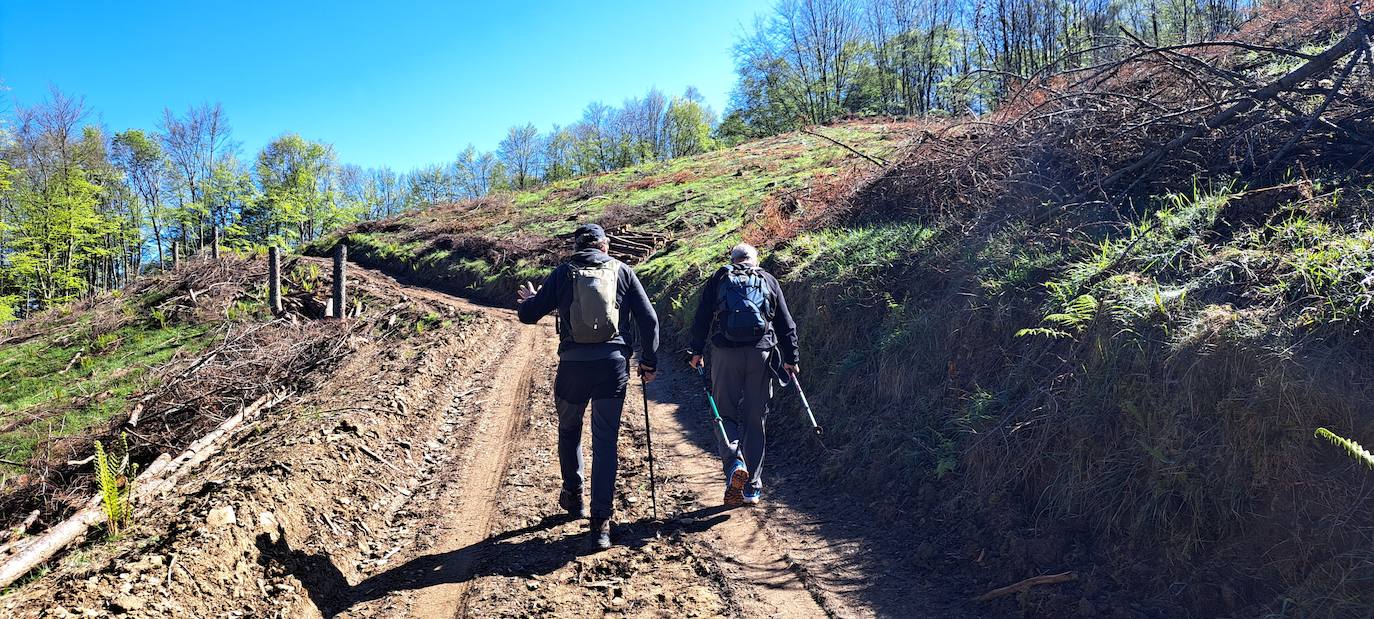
column 697, row 362
column 791, row 368
column 523, row 293
column 647, row 374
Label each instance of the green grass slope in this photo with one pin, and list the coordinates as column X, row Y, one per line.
column 484, row 248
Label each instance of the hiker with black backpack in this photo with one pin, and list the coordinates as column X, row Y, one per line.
column 753, row 341
column 599, row 301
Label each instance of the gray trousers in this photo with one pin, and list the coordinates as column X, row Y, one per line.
column 742, row 386
column 602, row 383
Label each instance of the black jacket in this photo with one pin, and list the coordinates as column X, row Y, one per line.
column 557, row 294
column 782, row 332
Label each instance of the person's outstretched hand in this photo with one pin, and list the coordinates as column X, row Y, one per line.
column 523, row 293
column 696, row 362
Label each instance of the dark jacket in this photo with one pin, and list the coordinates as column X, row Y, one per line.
column 557, row 294
column 782, row 332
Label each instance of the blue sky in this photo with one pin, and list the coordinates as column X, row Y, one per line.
column 387, row 83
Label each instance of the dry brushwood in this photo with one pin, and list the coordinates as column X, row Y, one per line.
column 162, row 474
column 1095, row 138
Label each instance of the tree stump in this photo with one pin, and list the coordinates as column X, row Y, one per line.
column 274, row 279
column 340, row 300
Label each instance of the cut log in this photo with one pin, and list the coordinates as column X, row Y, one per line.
column 162, row 474
column 17, row 533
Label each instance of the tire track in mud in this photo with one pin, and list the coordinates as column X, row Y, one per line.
column 472, row 496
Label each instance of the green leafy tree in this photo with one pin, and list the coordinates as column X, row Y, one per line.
column 687, row 127
column 297, row 203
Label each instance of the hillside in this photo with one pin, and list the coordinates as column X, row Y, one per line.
column 693, row 207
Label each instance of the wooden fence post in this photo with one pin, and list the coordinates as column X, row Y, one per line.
column 340, row 300
column 274, row 279
column 214, row 244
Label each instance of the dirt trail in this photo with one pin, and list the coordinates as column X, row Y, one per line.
column 740, row 544
column 748, row 575
column 421, row 481
column 472, row 493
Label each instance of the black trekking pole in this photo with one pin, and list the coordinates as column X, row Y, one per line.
column 806, row 405
column 649, row 435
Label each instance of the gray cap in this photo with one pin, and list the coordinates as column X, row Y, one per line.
column 588, row 234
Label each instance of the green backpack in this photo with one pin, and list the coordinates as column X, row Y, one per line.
column 594, row 313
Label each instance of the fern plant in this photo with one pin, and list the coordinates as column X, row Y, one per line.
column 1075, row 317
column 1355, row 450
column 116, row 476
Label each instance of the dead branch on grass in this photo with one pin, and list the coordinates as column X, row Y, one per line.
column 874, row 160
column 1025, row 585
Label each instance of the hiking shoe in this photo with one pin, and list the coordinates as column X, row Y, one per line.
column 572, row 503
column 734, row 488
column 751, row 496
column 600, row 535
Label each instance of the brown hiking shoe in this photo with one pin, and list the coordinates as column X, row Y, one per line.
column 734, row 491
column 572, row 503
column 600, row 534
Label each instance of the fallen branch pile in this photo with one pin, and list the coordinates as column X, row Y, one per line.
column 188, row 396
column 159, row 477
column 1127, row 119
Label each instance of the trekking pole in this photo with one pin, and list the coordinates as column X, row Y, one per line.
column 649, row 435
column 806, row 405
column 721, row 436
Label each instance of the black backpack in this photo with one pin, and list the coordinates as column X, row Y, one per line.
column 743, row 304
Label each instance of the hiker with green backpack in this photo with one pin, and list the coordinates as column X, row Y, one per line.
column 753, row 341
column 600, row 305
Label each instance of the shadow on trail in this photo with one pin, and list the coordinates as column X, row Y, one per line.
column 331, row 593
column 878, row 564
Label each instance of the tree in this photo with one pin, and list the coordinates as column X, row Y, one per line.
column 595, row 144
column 141, row 158
column 434, row 184
column 386, row 186
column 687, row 127
column 559, row 154
column 231, row 190
column 481, row 174
column 519, row 151
column 55, row 232
column 295, row 176
column 193, row 144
